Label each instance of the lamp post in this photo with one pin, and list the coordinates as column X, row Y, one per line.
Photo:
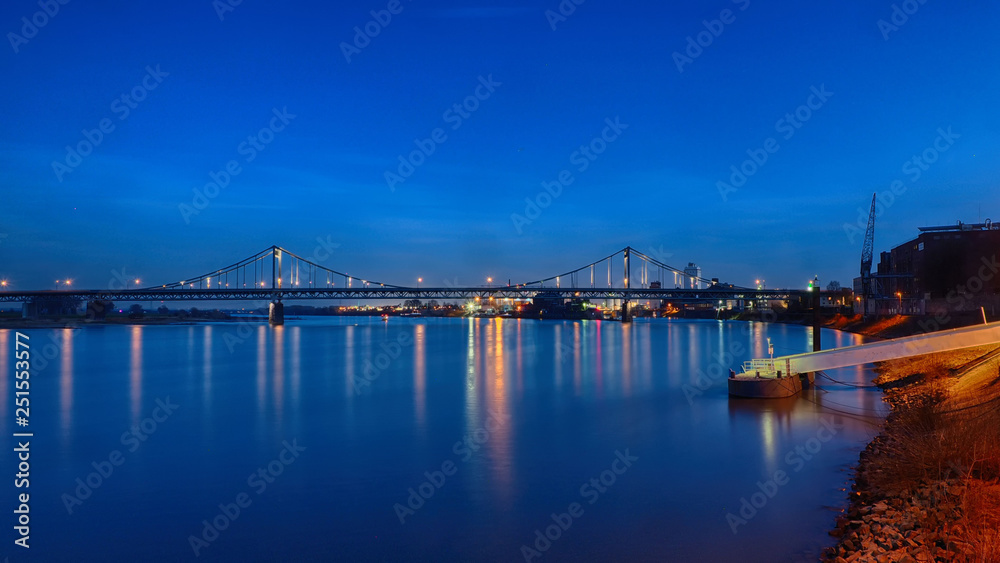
column 899, row 294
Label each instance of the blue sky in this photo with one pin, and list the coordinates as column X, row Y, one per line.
column 323, row 175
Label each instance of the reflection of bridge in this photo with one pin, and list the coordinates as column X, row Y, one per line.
column 276, row 274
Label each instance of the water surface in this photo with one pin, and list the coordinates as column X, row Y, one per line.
column 522, row 414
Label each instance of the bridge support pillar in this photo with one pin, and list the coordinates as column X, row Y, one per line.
column 29, row 310
column 626, row 314
column 276, row 313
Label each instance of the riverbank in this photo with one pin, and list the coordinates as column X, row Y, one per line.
column 927, row 488
column 899, row 325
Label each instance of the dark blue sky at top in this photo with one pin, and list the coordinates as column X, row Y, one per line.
column 655, row 187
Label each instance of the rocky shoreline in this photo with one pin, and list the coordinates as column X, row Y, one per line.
column 926, row 488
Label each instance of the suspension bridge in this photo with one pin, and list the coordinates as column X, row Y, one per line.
column 276, row 275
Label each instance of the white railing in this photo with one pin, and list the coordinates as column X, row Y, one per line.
column 761, row 365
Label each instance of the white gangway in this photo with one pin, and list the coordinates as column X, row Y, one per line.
column 782, row 376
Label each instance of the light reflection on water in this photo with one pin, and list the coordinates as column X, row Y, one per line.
column 568, row 394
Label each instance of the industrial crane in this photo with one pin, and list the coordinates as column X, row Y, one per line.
column 867, row 255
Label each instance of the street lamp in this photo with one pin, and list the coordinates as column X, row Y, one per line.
column 419, row 281
column 3, row 284
column 899, row 294
column 489, row 281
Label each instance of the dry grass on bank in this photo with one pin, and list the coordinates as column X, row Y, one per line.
column 889, row 327
column 945, row 428
column 900, row 325
column 981, row 506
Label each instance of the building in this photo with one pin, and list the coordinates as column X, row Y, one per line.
column 951, row 267
column 692, row 275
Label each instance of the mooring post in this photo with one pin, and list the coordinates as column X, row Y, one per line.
column 817, row 320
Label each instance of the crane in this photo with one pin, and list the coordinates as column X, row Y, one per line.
column 867, row 255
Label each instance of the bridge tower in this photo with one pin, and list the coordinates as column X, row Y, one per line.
column 276, row 310
column 626, row 314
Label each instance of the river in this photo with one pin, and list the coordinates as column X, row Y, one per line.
column 354, row 439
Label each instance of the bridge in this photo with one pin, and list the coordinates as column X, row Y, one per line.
column 277, row 275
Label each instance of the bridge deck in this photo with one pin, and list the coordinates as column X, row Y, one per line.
column 513, row 292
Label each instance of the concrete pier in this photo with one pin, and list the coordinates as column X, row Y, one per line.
column 765, row 387
column 29, row 310
column 276, row 313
